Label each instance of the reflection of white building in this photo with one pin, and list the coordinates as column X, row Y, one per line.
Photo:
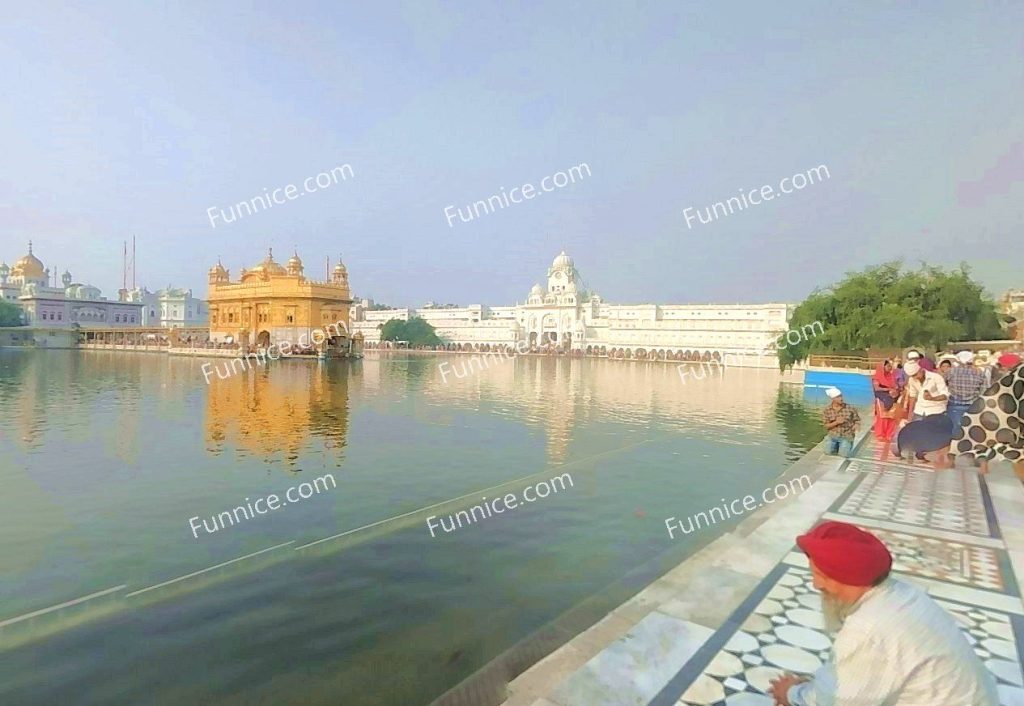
column 27, row 282
column 170, row 308
column 565, row 316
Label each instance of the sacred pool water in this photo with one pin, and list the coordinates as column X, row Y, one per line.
column 325, row 580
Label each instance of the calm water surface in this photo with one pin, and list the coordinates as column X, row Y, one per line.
column 105, row 456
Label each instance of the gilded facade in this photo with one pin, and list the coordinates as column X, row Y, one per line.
column 272, row 303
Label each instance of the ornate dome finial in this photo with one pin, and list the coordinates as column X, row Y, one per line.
column 340, row 272
column 562, row 261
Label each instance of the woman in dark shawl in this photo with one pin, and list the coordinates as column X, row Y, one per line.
column 887, row 391
column 884, row 384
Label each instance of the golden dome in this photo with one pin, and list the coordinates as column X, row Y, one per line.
column 29, row 266
column 268, row 266
column 218, row 269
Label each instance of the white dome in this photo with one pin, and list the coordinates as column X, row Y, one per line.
column 537, row 290
column 562, row 261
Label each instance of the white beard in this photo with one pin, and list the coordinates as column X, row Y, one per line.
column 834, row 612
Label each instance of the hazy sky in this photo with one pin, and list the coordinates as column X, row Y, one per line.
column 135, row 118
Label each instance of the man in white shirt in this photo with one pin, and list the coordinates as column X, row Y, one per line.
column 927, row 389
column 894, row 645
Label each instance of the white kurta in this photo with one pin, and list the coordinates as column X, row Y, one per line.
column 899, row 648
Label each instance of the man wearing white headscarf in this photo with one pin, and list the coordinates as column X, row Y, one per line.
column 841, row 421
column 927, row 391
column 966, row 384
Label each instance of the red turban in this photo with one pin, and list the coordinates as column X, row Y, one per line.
column 846, row 553
column 1008, row 360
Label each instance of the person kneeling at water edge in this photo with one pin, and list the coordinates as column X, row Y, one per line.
column 894, row 645
column 841, row 422
column 930, row 434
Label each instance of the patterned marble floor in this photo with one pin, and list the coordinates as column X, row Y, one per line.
column 784, row 633
column 941, row 530
column 950, row 500
column 946, row 560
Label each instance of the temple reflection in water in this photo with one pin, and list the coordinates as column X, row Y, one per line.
column 555, row 395
column 279, row 411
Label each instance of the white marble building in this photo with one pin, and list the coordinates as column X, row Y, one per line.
column 564, row 316
column 28, row 283
column 171, row 307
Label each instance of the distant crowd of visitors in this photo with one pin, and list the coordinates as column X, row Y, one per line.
column 961, row 406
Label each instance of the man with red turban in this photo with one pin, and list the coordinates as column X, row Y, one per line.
column 893, row 644
column 1007, row 363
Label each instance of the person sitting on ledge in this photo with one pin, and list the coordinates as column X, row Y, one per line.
column 893, row 644
column 841, row 422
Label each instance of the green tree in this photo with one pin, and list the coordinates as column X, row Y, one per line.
column 883, row 306
column 417, row 331
column 392, row 330
column 10, row 314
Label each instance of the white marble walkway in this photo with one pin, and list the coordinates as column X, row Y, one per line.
column 713, row 631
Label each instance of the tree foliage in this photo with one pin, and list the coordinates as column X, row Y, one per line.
column 10, row 314
column 417, row 331
column 886, row 307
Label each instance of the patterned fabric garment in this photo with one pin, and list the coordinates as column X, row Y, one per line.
column 966, row 384
column 994, row 424
column 847, row 414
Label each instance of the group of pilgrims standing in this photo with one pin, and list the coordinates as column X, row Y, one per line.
column 956, row 408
